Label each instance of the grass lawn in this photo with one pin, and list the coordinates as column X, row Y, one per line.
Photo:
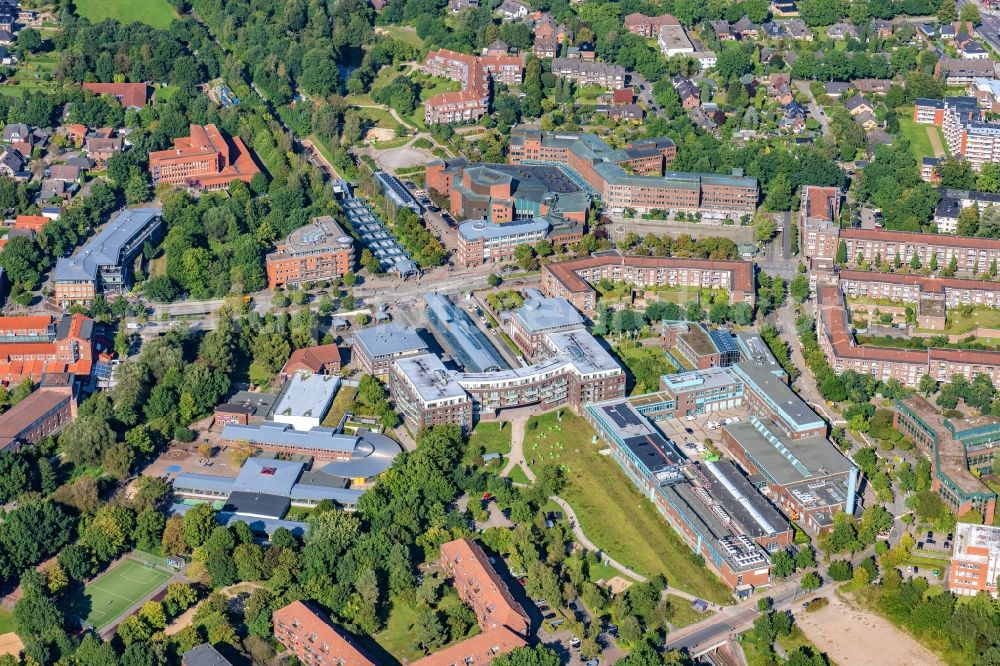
column 517, row 475
column 397, row 638
column 683, row 613
column 404, row 34
column 491, row 437
column 379, row 117
column 958, row 322
column 341, row 403
column 646, row 364
column 112, row 594
column 6, row 621
column 614, row 515
column 797, row 639
column 920, row 141
column 157, row 13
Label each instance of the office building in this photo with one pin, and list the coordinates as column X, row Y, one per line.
column 205, row 160
column 975, row 560
column 572, row 279
column 960, row 451
column 590, row 161
column 482, row 242
column 317, row 252
column 712, row 506
column 104, row 264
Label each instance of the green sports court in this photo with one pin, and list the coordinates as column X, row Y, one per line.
column 111, row 594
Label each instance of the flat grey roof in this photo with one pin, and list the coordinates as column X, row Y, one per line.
column 765, row 374
column 583, row 350
column 744, row 503
column 306, row 395
column 540, row 314
column 283, row 434
column 471, row 347
column 788, row 460
column 260, row 505
column 476, row 229
column 105, row 248
column 204, row 655
column 263, row 475
column 388, row 340
column 259, row 404
column 431, row 380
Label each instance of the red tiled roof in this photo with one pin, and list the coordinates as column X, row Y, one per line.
column 481, row 648
column 33, row 222
column 566, row 271
column 469, row 561
column 933, row 285
column 341, row 647
column 915, row 237
column 312, row 358
column 129, row 94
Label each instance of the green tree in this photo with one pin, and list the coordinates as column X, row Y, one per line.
column 811, row 581
column 799, row 288
column 198, row 525
column 841, row 257
column 782, row 564
column 764, row 228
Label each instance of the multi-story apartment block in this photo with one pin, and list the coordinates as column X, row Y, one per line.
column 314, row 640
column 972, row 254
column 376, row 347
column 104, row 263
column 968, row 133
column 928, row 111
column 589, row 72
column 528, row 324
column 819, row 221
column 673, row 40
column 963, row 71
column 572, row 279
column 975, row 561
column 648, row 26
column 576, row 370
column 600, row 167
column 479, row 586
column 315, row 252
column 204, row 160
column 954, row 201
column 473, row 72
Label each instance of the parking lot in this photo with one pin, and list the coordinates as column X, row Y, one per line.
column 688, row 433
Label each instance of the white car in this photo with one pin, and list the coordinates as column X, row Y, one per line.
column 691, row 417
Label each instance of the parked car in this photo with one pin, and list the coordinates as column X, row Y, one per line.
column 574, row 642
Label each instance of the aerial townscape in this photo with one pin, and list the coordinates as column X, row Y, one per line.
column 511, row 333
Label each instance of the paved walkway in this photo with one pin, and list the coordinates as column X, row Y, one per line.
column 516, row 459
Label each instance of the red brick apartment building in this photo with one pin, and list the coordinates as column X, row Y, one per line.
column 818, row 220
column 473, row 72
column 601, row 167
column 975, row 560
column 973, row 255
column 648, row 26
column 129, row 95
column 204, row 160
column 905, row 365
column 313, row 253
column 572, row 279
column 316, row 642
column 44, row 412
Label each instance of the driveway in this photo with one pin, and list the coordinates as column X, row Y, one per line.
column 814, row 110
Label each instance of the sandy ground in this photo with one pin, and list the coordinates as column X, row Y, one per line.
column 402, row 158
column 10, row 644
column 851, row 636
column 935, row 138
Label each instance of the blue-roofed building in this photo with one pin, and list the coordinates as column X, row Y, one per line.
column 467, row 344
column 104, row 263
column 396, row 193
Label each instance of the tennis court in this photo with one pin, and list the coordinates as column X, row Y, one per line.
column 111, row 594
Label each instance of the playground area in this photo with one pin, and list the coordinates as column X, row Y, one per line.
column 105, row 598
